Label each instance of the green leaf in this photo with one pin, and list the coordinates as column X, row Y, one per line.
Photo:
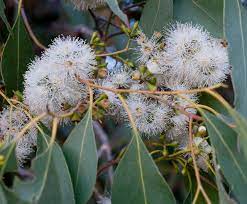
column 113, row 4
column 2, row 15
column 137, row 178
column 235, row 27
column 211, row 191
column 10, row 164
column 81, row 154
column 224, row 198
column 207, row 13
column 11, row 197
column 2, row 196
column 16, row 55
column 52, row 181
column 229, row 155
column 156, row 15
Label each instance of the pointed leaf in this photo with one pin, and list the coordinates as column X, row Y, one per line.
column 113, row 4
column 16, row 55
column 201, row 12
column 235, row 22
column 81, row 155
column 2, row 196
column 2, row 15
column 229, row 156
column 52, row 182
column 224, row 198
column 156, row 15
column 10, row 164
column 138, row 180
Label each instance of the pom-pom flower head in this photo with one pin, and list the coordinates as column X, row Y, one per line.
column 87, row 4
column 147, row 48
column 194, row 57
column 211, row 65
column 51, row 81
column 12, row 121
column 71, row 57
column 150, row 116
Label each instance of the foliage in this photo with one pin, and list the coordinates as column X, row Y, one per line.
column 74, row 162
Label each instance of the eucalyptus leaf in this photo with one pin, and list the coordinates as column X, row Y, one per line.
column 229, row 155
column 209, row 188
column 202, row 12
column 235, row 27
column 52, row 182
column 224, row 198
column 81, row 154
column 113, row 4
column 3, row 16
column 16, row 55
column 10, row 163
column 2, row 196
column 156, row 15
column 137, row 178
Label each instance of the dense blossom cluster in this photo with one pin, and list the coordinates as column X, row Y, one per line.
column 52, row 78
column 186, row 57
column 12, row 120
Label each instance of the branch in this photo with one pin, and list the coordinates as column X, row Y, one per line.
column 105, row 146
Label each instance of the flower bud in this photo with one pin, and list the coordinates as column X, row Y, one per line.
column 202, row 131
column 102, row 73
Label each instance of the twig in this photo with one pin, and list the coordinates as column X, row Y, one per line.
column 105, row 146
column 107, row 165
column 197, row 174
column 28, row 27
column 95, row 18
column 88, row 83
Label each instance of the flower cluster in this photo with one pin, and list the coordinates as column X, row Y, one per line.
column 51, row 82
column 11, row 123
column 52, row 78
column 186, row 57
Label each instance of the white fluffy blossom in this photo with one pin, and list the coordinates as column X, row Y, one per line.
column 12, row 122
column 183, row 101
column 87, row 4
column 211, row 65
column 51, row 80
column 147, row 48
column 150, row 117
column 71, row 57
column 117, row 79
column 180, row 134
column 194, row 57
column 202, row 159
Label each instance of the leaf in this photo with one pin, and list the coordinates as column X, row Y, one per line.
column 223, row 196
column 10, row 164
column 235, row 27
column 156, row 15
column 16, row 55
column 113, row 4
column 52, row 181
column 137, row 178
column 2, row 196
column 228, row 154
column 211, row 191
column 81, row 154
column 2, row 15
column 204, row 12
column 11, row 197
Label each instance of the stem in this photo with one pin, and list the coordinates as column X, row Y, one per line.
column 118, row 91
column 197, row 174
column 117, row 52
